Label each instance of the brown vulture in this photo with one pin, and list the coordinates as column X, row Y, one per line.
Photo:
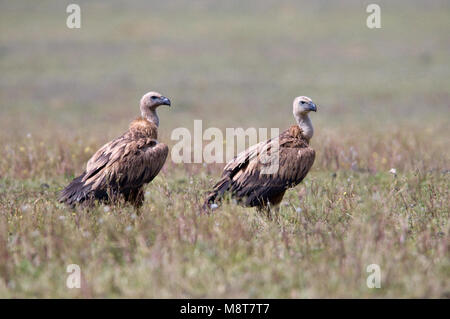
column 243, row 177
column 121, row 168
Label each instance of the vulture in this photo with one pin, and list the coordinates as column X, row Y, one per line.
column 248, row 180
column 121, row 168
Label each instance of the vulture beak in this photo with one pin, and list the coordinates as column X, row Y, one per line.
column 165, row 101
column 312, row 107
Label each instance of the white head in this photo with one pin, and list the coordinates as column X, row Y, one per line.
column 301, row 107
column 149, row 102
column 152, row 100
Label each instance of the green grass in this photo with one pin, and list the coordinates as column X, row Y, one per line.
column 384, row 102
column 346, row 223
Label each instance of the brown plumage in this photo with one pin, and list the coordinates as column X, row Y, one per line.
column 243, row 176
column 120, row 168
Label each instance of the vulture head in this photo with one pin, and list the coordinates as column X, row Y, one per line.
column 149, row 102
column 152, row 100
column 303, row 105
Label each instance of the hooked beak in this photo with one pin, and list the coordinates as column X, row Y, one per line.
column 312, row 107
column 165, row 101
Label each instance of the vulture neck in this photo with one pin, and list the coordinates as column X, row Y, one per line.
column 305, row 124
column 151, row 116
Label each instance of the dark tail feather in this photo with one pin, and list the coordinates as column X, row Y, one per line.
column 216, row 195
column 76, row 192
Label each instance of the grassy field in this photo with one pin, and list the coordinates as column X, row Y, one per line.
column 384, row 102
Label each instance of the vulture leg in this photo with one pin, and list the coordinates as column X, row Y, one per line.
column 135, row 197
column 266, row 210
column 276, row 199
column 272, row 211
column 271, row 208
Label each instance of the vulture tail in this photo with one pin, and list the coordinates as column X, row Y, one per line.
column 76, row 192
column 216, row 195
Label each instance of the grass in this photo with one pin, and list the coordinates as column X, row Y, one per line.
column 383, row 103
column 329, row 229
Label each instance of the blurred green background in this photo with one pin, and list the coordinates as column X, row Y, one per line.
column 230, row 63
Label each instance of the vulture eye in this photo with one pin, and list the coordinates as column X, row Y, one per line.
column 303, row 102
column 154, row 97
